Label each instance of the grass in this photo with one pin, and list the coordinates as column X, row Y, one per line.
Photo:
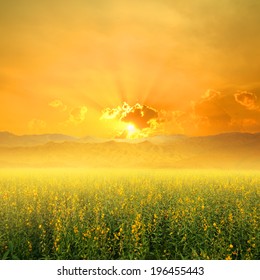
column 129, row 214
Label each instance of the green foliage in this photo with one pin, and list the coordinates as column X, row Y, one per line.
column 129, row 214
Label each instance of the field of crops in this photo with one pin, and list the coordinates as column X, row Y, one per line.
column 129, row 214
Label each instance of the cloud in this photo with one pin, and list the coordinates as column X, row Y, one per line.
column 141, row 116
column 210, row 111
column 217, row 112
column 78, row 114
column 144, row 118
column 247, row 99
column 36, row 124
column 213, row 113
column 210, row 94
column 58, row 104
column 251, row 125
column 110, row 114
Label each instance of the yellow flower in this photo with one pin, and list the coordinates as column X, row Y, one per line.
column 76, row 229
column 228, row 258
column 29, row 245
column 231, row 246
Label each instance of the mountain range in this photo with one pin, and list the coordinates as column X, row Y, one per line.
column 226, row 151
column 8, row 139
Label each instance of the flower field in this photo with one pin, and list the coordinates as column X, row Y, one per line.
column 129, row 214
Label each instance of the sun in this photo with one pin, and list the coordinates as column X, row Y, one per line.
column 132, row 131
column 131, row 128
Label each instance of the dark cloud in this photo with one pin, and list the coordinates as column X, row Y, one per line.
column 141, row 115
column 211, row 110
column 216, row 112
column 145, row 119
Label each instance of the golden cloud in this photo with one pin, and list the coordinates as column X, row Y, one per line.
column 78, row 114
column 140, row 115
column 143, row 117
column 210, row 94
column 58, row 104
column 110, row 114
column 214, row 112
column 246, row 125
column 247, row 99
column 36, row 124
column 210, row 111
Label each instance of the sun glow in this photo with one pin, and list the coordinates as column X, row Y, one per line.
column 131, row 128
column 132, row 131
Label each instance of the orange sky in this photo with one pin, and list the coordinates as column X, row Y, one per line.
column 189, row 67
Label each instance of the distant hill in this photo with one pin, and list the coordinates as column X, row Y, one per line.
column 8, row 139
column 231, row 150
